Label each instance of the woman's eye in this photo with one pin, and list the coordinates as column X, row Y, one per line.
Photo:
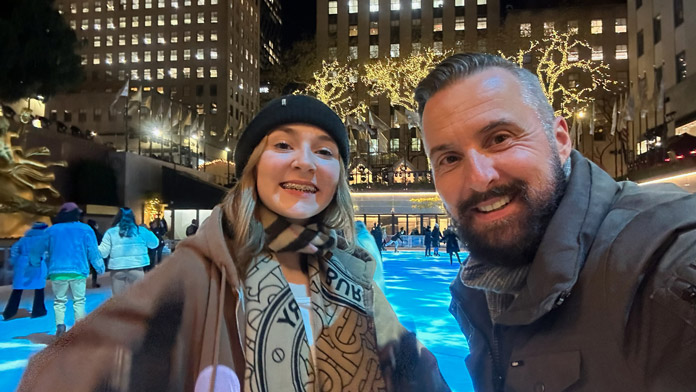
column 282, row 146
column 326, row 151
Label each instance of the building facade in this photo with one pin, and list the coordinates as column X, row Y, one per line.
column 271, row 31
column 663, row 80
column 198, row 57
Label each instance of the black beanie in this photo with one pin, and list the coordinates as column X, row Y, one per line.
column 290, row 109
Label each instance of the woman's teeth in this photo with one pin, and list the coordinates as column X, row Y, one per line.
column 502, row 202
column 299, row 187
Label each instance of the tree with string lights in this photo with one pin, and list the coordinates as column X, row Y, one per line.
column 334, row 84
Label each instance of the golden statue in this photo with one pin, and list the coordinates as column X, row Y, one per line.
column 23, row 181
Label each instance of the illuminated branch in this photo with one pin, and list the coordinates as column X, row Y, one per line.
column 334, row 85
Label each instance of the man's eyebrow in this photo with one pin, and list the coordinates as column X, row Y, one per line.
column 442, row 147
column 485, row 129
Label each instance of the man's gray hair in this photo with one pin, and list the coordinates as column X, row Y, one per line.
column 462, row 65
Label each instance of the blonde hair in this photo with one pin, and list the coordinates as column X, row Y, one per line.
column 241, row 202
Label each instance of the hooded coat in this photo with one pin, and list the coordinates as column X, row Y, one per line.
column 28, row 257
column 609, row 303
column 169, row 328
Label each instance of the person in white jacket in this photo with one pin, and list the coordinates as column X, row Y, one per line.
column 126, row 245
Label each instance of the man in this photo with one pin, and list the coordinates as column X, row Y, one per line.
column 377, row 235
column 192, row 228
column 72, row 247
column 575, row 282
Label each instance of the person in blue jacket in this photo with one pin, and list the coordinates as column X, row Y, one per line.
column 72, row 247
column 27, row 256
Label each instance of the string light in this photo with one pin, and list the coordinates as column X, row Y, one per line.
column 334, row 84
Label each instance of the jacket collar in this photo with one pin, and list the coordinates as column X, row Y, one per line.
column 588, row 197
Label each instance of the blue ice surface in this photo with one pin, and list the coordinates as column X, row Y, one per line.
column 417, row 288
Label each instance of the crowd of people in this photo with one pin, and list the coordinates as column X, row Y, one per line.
column 573, row 281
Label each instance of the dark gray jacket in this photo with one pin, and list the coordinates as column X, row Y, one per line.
column 610, row 300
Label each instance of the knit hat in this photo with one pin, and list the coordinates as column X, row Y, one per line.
column 290, row 109
column 67, row 207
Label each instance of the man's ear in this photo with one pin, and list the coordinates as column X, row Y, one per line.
column 561, row 137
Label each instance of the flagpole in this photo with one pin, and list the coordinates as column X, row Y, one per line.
column 139, row 129
column 125, row 120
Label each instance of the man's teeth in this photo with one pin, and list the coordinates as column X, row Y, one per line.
column 495, row 206
column 299, row 187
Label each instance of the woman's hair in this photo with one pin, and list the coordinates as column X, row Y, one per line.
column 240, row 204
column 125, row 220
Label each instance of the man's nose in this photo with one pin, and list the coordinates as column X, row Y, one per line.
column 481, row 171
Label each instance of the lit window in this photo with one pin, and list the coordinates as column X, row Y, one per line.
column 121, row 57
column 374, row 5
column 481, row 2
column 160, row 3
column 174, row 20
column 201, row 17
column 110, row 6
column 172, row 73
column 97, row 6
column 148, row 20
column 187, row 18
column 122, row 5
column 213, row 72
column 97, row 24
column 121, row 39
column 160, row 39
column 573, row 26
column 437, row 47
column 96, row 59
column 160, row 73
column 394, row 50
column 122, row 22
column 187, row 54
column 134, row 57
column 136, row 4
column 173, row 56
column 85, row 24
column 187, row 3
column 97, row 41
column 175, row 3
column 459, row 23
column 374, row 28
column 213, row 54
column 352, row 53
column 200, row 72
column 187, row 72
column 214, row 2
column 160, row 20
column 620, row 25
column 353, row 30
column 174, row 37
column 415, row 47
column 597, row 53
column 201, row 2
column 596, row 26
column 134, row 39
column 213, row 35
column 73, row 25
column 415, row 4
column 437, row 24
column 681, row 66
column 110, row 23
column 85, row 7
column 200, row 36
column 438, row 3
column 394, row 144
column 459, row 3
column 109, row 59
column 200, row 54
column 147, row 38
column 352, row 6
column 109, row 40
column 160, row 55
column 525, row 30
column 573, row 55
column 187, row 36
column 147, row 56
column 147, row 74
column 481, row 24
column 333, row 7
column 374, row 51
column 213, row 17
column 549, row 27
column 73, row 8
column 148, row 4
column 621, row 52
column 395, row 5
column 333, row 52
column 83, row 59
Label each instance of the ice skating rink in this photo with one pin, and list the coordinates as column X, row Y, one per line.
column 417, row 288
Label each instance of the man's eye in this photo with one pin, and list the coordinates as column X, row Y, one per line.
column 449, row 159
column 499, row 138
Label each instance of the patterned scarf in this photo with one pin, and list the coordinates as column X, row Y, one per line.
column 278, row 357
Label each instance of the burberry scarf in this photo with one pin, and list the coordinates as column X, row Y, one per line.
column 278, row 357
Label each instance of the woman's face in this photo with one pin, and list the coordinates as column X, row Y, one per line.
column 298, row 171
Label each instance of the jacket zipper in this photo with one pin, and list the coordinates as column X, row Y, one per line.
column 495, row 354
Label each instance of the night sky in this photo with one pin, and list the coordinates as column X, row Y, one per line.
column 299, row 21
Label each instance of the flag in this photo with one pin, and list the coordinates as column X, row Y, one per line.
column 382, row 142
column 574, row 131
column 401, row 118
column 591, row 131
column 578, row 130
column 123, row 92
column 660, row 96
column 377, row 122
column 630, row 109
column 160, row 111
column 614, row 116
column 187, row 121
column 169, row 114
column 642, row 91
column 148, row 103
column 138, row 96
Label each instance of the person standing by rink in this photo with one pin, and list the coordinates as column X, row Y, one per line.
column 126, row 245
column 27, row 257
column 265, row 295
column 367, row 242
column 377, row 235
column 451, row 243
column 436, row 237
column 427, row 240
column 72, row 247
column 95, row 227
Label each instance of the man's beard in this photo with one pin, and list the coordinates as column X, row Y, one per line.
column 513, row 241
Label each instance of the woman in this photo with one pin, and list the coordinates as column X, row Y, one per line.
column 265, row 294
column 28, row 258
column 452, row 244
column 126, row 245
column 436, row 237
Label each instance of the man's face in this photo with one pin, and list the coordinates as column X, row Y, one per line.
column 497, row 173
